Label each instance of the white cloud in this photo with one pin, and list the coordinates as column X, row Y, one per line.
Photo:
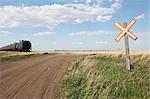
column 91, row 34
column 142, row 16
column 5, row 33
column 78, row 43
column 104, row 18
column 44, row 34
column 88, row 1
column 52, row 15
column 116, row 5
column 94, row 2
column 101, row 42
column 148, row 33
column 139, row 34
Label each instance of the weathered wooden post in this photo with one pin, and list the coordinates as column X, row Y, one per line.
column 127, row 51
column 125, row 31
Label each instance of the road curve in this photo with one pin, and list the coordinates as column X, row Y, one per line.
column 33, row 78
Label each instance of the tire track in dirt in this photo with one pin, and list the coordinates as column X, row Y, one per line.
column 33, row 78
column 21, row 71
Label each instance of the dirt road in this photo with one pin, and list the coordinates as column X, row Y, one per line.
column 33, row 78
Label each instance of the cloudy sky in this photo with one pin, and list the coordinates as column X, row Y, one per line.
column 73, row 24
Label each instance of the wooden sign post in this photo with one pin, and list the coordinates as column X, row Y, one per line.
column 127, row 51
column 125, row 31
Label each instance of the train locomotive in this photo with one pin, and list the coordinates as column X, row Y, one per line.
column 23, row 45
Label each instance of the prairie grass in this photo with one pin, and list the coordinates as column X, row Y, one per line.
column 105, row 77
column 11, row 56
column 86, row 52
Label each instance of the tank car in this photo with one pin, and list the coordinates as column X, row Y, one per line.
column 23, row 45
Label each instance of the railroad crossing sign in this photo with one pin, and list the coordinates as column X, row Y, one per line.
column 125, row 31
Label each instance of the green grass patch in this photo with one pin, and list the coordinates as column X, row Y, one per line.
column 105, row 77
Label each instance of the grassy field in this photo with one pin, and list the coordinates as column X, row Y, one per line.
column 87, row 52
column 105, row 77
column 11, row 56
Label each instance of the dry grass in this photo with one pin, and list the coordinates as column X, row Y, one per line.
column 80, row 52
column 105, row 77
column 7, row 56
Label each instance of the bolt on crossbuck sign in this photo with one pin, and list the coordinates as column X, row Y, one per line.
column 125, row 31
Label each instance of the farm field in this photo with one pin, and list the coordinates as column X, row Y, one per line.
column 87, row 52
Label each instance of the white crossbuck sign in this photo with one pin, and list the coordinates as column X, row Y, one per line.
column 125, row 30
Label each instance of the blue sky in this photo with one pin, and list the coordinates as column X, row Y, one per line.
column 73, row 24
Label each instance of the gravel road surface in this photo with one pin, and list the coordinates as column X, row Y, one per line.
column 34, row 77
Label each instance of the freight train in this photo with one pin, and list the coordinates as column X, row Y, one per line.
column 23, row 45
